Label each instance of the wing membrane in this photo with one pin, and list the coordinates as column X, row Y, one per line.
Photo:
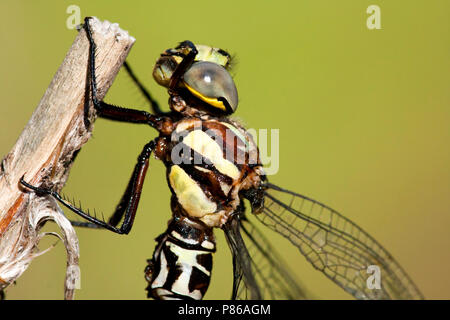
column 272, row 274
column 243, row 276
column 259, row 271
column 335, row 245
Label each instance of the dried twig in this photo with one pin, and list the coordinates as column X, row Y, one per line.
column 45, row 150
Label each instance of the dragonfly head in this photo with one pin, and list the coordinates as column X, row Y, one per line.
column 206, row 78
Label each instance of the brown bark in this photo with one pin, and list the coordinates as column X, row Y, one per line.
column 45, row 150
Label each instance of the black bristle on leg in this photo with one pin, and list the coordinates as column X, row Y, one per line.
column 128, row 204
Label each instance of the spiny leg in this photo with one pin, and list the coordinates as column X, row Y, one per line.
column 85, row 224
column 110, row 111
column 153, row 103
column 128, row 204
column 184, row 64
column 130, row 191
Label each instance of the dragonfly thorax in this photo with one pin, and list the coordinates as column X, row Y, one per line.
column 209, row 162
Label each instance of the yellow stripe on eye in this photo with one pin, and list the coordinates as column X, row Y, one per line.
column 211, row 101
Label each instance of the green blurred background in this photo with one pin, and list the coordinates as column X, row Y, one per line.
column 363, row 118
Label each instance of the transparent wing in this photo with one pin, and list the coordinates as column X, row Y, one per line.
column 259, row 271
column 271, row 272
column 243, row 276
column 336, row 246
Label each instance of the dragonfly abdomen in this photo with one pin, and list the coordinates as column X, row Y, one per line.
column 182, row 261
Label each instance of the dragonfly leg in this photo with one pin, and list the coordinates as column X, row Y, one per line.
column 85, row 224
column 127, row 206
column 110, row 111
column 184, row 64
column 156, row 109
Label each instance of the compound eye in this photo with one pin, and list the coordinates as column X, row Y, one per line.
column 213, row 84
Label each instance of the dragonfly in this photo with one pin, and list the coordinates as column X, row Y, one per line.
column 214, row 171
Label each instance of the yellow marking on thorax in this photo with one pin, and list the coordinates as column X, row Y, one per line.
column 188, row 123
column 238, row 133
column 189, row 194
column 207, row 147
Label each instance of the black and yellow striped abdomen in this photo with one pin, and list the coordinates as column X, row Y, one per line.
column 182, row 261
